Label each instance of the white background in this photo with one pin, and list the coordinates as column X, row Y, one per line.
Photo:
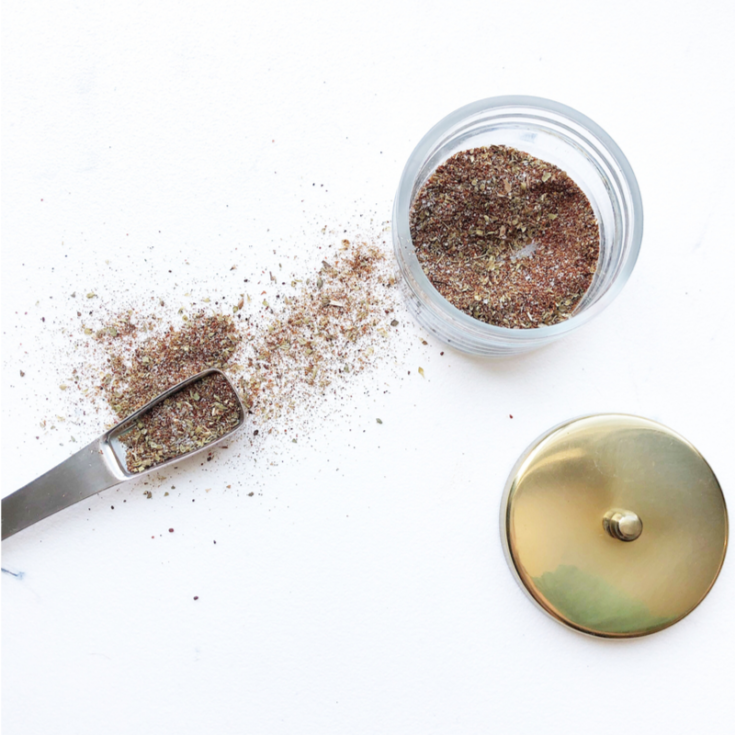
column 362, row 588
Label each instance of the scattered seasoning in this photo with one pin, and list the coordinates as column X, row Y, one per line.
column 138, row 373
column 379, row 421
column 505, row 237
column 293, row 348
column 326, row 327
column 283, row 355
column 191, row 418
column 170, row 530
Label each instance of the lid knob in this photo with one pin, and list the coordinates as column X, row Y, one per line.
column 622, row 524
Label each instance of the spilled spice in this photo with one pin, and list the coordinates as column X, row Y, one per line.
column 505, row 237
column 327, row 328
column 197, row 415
column 284, row 349
column 138, row 372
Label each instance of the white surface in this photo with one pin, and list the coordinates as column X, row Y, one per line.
column 363, row 587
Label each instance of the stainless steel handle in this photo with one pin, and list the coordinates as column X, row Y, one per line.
column 85, row 473
column 99, row 465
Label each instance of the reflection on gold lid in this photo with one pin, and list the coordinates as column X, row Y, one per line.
column 615, row 525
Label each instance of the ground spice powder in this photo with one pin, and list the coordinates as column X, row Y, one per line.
column 140, row 369
column 505, row 237
column 283, row 351
column 197, row 415
column 327, row 328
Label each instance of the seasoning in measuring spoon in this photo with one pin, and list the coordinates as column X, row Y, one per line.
column 507, row 238
column 197, row 415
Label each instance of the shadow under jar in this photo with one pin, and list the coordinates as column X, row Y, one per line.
column 555, row 134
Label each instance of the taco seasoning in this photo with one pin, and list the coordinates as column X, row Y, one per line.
column 505, row 237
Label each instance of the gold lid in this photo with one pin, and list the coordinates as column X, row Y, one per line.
column 615, row 525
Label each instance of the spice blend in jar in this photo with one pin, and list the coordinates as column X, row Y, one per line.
column 505, row 237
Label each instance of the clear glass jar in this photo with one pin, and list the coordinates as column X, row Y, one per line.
column 554, row 133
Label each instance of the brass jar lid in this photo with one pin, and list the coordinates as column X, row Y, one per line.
column 615, row 525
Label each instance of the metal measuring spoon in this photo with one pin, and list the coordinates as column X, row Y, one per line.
column 100, row 465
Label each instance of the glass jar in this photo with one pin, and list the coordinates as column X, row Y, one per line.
column 554, row 133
